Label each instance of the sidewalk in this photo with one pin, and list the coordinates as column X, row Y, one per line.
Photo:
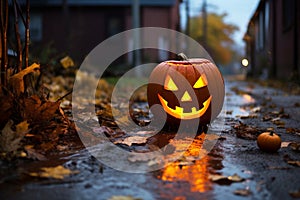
column 268, row 108
column 250, row 109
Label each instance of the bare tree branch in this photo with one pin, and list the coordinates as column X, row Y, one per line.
column 27, row 36
column 3, row 31
column 18, row 38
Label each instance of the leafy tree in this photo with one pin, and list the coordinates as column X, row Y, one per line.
column 219, row 42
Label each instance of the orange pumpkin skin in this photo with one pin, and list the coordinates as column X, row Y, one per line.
column 269, row 142
column 194, row 86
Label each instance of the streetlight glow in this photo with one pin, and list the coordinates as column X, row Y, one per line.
column 245, row 62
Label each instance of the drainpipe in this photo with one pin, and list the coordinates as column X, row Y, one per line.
column 136, row 36
column 274, row 71
column 296, row 41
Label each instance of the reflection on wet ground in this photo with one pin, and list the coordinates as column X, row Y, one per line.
column 195, row 173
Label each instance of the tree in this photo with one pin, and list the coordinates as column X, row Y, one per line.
column 219, row 42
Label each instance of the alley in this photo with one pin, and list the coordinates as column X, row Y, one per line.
column 235, row 168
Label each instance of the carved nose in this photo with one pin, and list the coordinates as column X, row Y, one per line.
column 186, row 97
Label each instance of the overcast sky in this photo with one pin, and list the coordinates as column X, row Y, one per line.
column 239, row 12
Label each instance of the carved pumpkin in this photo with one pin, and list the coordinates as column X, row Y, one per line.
column 269, row 142
column 189, row 91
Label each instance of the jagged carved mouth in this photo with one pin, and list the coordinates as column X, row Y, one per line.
column 179, row 113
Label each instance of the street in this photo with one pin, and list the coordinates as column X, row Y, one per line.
column 234, row 169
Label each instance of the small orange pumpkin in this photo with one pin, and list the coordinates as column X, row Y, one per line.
column 269, row 142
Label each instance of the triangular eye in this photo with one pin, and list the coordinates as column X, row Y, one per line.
column 169, row 84
column 201, row 82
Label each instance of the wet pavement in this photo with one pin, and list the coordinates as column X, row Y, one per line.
column 247, row 172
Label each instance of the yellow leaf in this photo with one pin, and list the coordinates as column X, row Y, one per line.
column 123, row 198
column 58, row 172
column 67, row 62
column 16, row 81
column 22, row 127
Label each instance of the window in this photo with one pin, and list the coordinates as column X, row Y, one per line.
column 114, row 26
column 163, row 44
column 288, row 8
column 261, row 37
column 35, row 27
column 259, row 32
column 267, row 18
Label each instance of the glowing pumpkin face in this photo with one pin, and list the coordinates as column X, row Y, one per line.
column 186, row 90
column 180, row 112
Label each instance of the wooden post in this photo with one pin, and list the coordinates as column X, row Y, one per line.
column 3, row 33
column 136, row 36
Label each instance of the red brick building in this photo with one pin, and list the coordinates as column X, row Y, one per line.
column 272, row 39
column 77, row 26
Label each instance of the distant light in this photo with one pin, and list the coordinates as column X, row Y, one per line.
column 245, row 62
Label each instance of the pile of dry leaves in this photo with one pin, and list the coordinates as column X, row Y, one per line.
column 31, row 124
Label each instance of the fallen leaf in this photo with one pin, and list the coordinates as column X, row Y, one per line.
column 229, row 112
column 123, row 198
column 242, row 192
column 133, row 140
column 16, row 81
column 226, row 180
column 251, row 116
column 293, row 130
column 218, row 178
column 295, row 146
column 235, row 178
column 278, row 168
column 297, row 104
column 285, row 144
column 67, row 62
column 246, row 132
column 10, row 140
column 58, row 172
column 256, row 109
column 278, row 122
column 33, row 154
column 266, row 118
column 295, row 194
column 294, row 162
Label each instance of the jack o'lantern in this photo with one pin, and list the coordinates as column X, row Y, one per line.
column 189, row 91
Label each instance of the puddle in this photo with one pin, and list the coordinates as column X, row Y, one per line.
column 236, row 104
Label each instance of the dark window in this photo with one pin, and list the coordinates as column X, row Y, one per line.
column 36, row 27
column 288, row 7
column 267, row 18
column 114, row 26
column 260, row 32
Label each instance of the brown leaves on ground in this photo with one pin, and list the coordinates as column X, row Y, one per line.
column 246, row 131
column 30, row 119
column 35, row 110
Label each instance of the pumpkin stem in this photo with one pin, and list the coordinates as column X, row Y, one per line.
column 271, row 133
column 182, row 57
